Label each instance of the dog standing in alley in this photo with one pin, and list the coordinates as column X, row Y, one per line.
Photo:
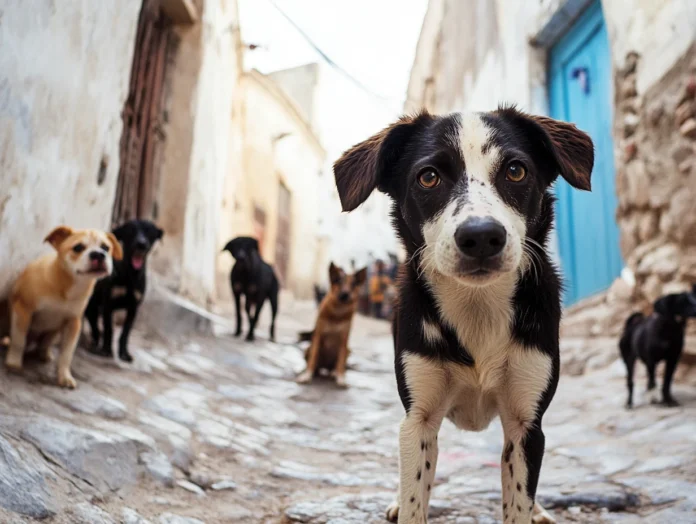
column 253, row 279
column 50, row 296
column 655, row 338
column 328, row 348
column 123, row 289
column 476, row 326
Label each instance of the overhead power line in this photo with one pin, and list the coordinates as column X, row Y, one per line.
column 328, row 59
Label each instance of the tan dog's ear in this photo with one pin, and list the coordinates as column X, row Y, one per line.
column 116, row 249
column 361, row 276
column 334, row 273
column 58, row 236
column 369, row 165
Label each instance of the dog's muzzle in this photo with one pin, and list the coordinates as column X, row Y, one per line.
column 481, row 241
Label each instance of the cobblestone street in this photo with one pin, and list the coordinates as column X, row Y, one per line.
column 212, row 429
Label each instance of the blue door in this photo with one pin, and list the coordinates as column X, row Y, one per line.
column 580, row 92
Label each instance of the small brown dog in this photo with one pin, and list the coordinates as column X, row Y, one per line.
column 329, row 347
column 50, row 296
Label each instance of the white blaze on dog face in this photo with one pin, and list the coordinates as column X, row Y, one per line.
column 476, row 197
column 85, row 253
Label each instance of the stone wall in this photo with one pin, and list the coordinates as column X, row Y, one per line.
column 656, row 178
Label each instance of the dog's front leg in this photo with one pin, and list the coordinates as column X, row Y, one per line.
column 312, row 357
column 531, row 381
column 238, row 307
column 340, row 371
column 427, row 383
column 123, row 353
column 19, row 328
column 71, row 331
column 108, row 335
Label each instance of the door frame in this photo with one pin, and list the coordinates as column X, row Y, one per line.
column 590, row 21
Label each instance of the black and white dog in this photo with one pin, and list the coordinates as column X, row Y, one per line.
column 255, row 279
column 476, row 329
column 655, row 338
column 123, row 289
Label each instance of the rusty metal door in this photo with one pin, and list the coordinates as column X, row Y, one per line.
column 142, row 127
column 282, row 255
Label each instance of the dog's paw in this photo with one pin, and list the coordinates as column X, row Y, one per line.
column 341, row 381
column 628, row 405
column 305, row 377
column 13, row 367
column 393, row 511
column 670, row 403
column 125, row 356
column 67, row 381
column 99, row 351
column 541, row 516
column 46, row 356
column 250, row 337
column 237, row 333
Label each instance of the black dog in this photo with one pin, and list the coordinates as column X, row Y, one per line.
column 123, row 289
column 656, row 338
column 254, row 279
column 319, row 294
column 476, row 327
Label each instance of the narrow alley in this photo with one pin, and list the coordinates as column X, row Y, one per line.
column 212, row 429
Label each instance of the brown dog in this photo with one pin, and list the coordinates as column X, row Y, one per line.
column 329, row 347
column 50, row 296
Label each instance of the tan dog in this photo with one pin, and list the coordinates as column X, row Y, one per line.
column 50, row 296
column 329, row 347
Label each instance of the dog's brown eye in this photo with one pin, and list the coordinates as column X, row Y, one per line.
column 516, row 172
column 79, row 248
column 428, row 179
column 105, row 247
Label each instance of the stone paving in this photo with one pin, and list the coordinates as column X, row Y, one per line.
column 215, row 430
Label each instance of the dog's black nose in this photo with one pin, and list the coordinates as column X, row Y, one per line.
column 480, row 237
column 344, row 297
column 97, row 256
column 141, row 245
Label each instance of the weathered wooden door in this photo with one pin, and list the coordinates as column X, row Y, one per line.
column 282, row 255
column 142, row 119
column 580, row 92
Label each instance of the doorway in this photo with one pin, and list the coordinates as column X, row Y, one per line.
column 580, row 91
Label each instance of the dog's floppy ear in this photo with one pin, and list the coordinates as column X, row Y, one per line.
column 365, row 166
column 572, row 150
column 116, row 249
column 58, row 236
column 160, row 233
column 361, row 276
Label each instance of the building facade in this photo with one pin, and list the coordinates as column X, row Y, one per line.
column 95, row 130
column 623, row 72
column 277, row 199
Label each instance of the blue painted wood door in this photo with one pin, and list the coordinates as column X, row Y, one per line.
column 580, row 92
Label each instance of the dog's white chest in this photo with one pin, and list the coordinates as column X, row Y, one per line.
column 52, row 314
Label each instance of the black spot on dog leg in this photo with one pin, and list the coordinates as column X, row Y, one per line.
column 427, row 464
column 418, row 477
column 508, row 452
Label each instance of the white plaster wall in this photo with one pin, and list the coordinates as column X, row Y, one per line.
column 365, row 232
column 210, row 161
column 297, row 160
column 659, row 30
column 65, row 71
